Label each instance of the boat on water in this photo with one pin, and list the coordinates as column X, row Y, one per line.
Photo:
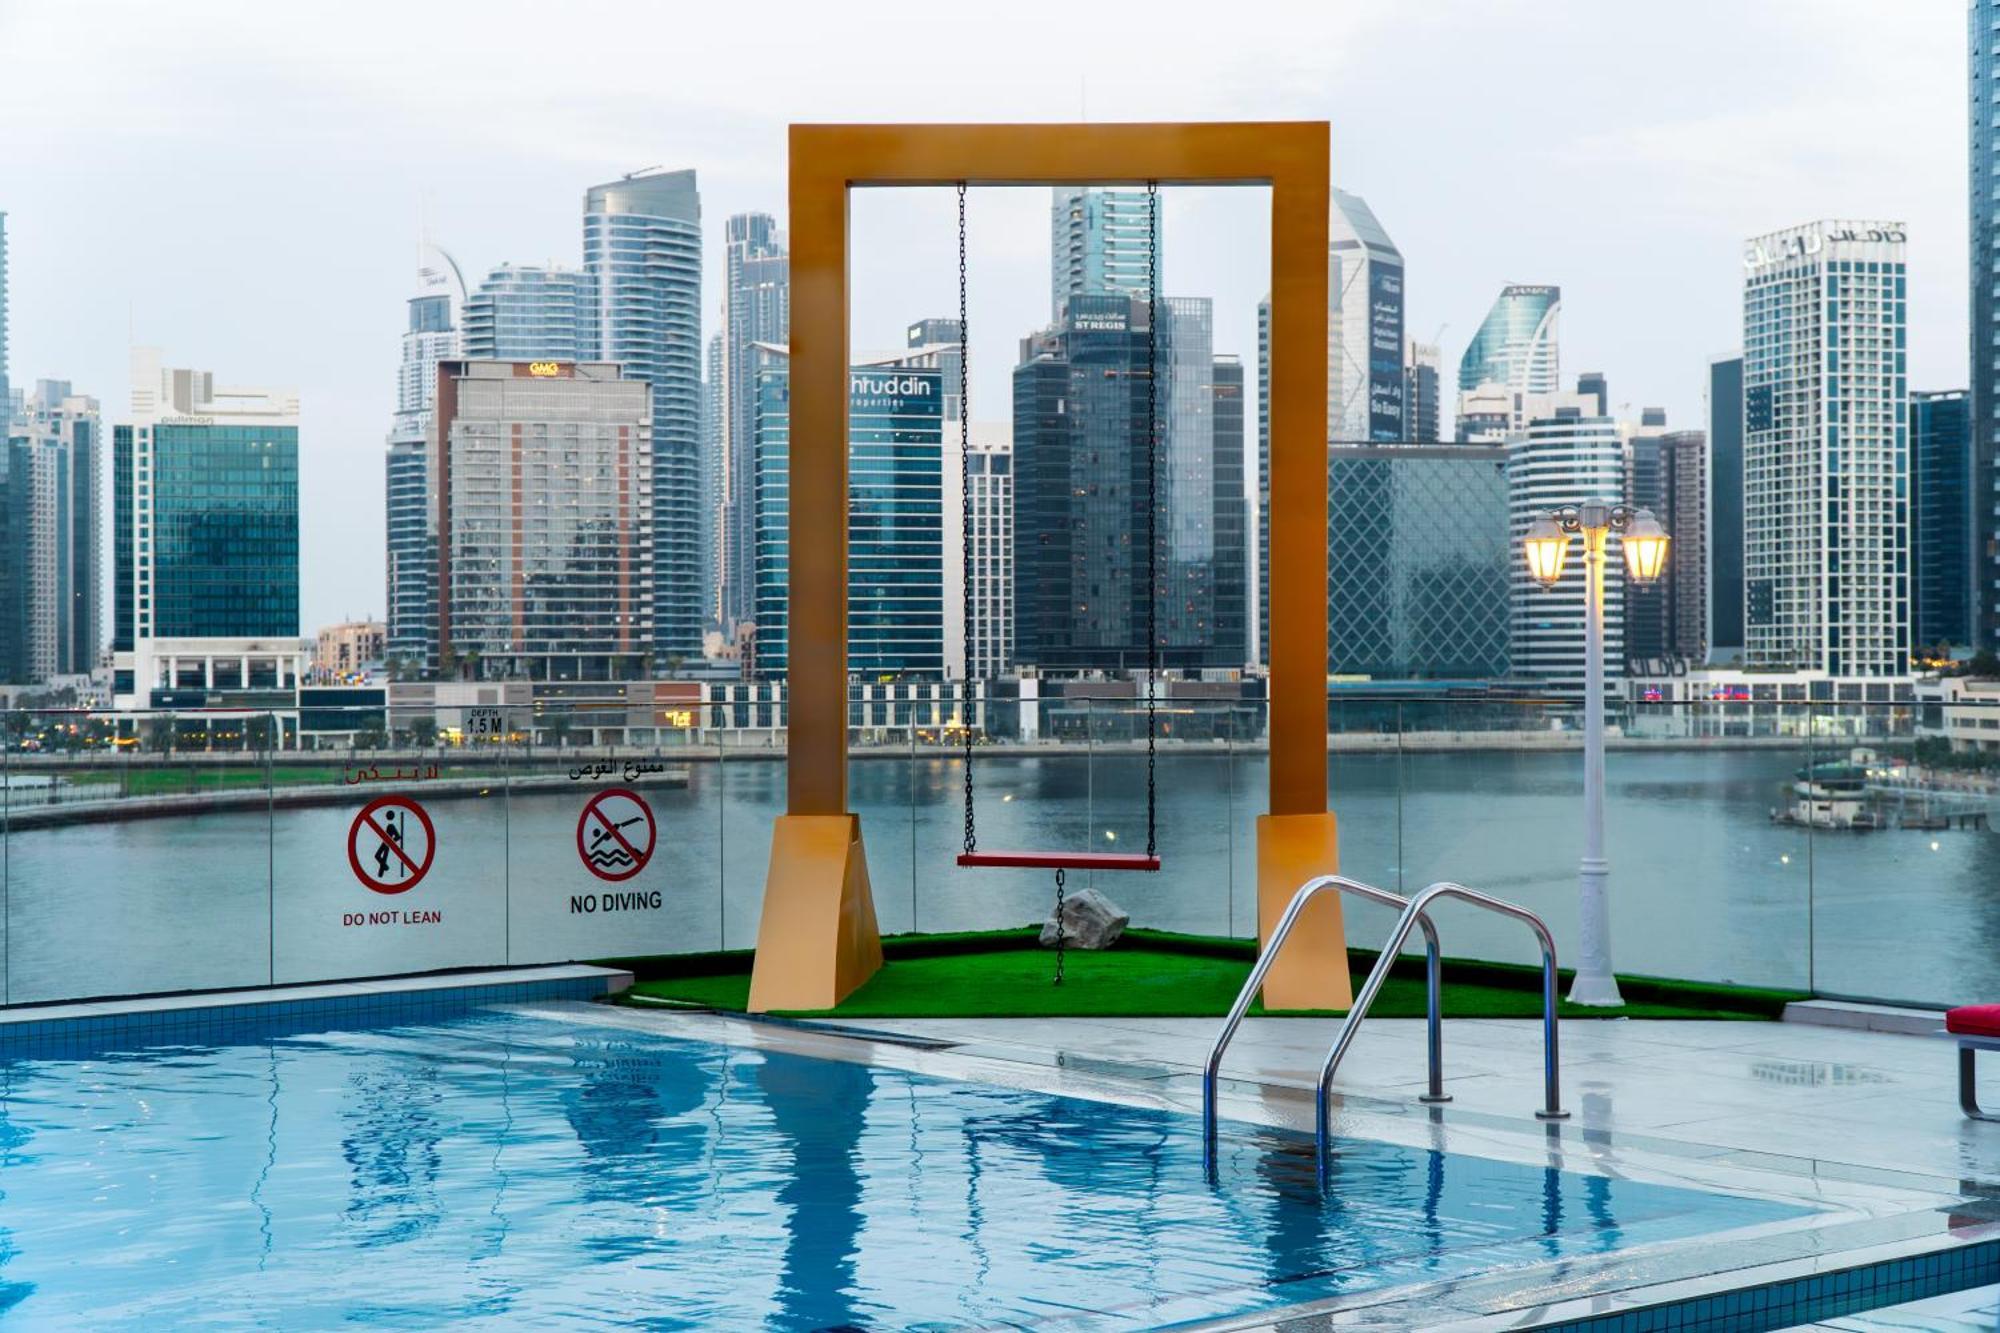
column 1834, row 795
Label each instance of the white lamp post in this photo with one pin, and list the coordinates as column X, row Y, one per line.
column 1545, row 546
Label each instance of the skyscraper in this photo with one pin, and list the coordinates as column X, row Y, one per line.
column 1517, row 342
column 1423, row 374
column 531, row 312
column 895, row 519
column 1515, row 353
column 946, row 335
column 1591, row 384
column 1686, row 488
column 205, row 536
column 49, row 532
column 1984, row 233
column 989, row 590
column 1260, row 500
column 1367, row 286
column 1826, row 450
column 1666, row 471
column 1941, row 522
column 1563, row 458
column 544, row 541
column 1098, row 243
column 1418, row 562
column 6, row 384
column 1083, row 472
column 432, row 335
column 757, row 304
column 642, row 244
column 1725, row 504
column 712, row 458
column 1646, row 470
column 1231, row 521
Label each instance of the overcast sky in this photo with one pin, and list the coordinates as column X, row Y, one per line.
column 243, row 184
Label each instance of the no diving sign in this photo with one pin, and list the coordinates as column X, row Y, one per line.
column 615, row 834
column 391, row 844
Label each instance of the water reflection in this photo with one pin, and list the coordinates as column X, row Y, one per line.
column 14, row 1137
column 819, row 1108
column 391, row 1149
column 631, row 1110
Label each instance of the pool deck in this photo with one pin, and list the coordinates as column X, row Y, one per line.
column 1862, row 1125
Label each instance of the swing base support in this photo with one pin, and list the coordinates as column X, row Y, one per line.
column 1312, row 972
column 817, row 940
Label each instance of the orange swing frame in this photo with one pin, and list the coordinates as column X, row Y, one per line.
column 817, row 938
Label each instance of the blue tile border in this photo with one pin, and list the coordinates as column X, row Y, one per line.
column 1805, row 1300
column 272, row 1014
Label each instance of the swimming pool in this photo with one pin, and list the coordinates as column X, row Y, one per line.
column 512, row 1169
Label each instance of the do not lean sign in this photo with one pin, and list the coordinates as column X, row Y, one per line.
column 390, row 844
column 615, row 834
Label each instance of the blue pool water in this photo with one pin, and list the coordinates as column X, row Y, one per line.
column 522, row 1171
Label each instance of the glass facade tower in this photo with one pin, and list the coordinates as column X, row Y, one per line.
column 757, row 308
column 1517, row 344
column 1983, row 194
column 6, row 384
column 431, row 335
column 1098, row 240
column 1366, row 361
column 1418, row 562
column 1081, row 467
column 531, row 312
column 1941, row 527
column 895, row 519
column 642, row 245
column 1725, row 505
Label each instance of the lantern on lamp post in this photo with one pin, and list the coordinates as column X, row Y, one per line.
column 1545, row 546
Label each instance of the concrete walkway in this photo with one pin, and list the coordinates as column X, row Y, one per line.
column 1857, row 1098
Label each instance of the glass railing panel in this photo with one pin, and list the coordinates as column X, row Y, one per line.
column 1249, row 797
column 749, row 796
column 882, row 788
column 1034, row 789
column 1364, row 790
column 1904, row 859
column 613, row 840
column 392, row 858
column 138, row 855
column 1193, row 777
column 1703, row 883
column 1710, row 874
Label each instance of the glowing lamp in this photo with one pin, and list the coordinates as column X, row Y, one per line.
column 1645, row 543
column 1546, row 545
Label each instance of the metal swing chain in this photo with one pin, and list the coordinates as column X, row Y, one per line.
column 1152, row 503
column 1061, row 936
column 965, row 524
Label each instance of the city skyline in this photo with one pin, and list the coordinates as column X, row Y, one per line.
column 1843, row 113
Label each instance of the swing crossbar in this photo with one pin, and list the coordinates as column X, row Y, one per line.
column 1062, row 860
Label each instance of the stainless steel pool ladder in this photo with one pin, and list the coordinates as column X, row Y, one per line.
column 1414, row 915
column 1311, row 889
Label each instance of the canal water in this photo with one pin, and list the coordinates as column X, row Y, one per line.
column 1703, row 884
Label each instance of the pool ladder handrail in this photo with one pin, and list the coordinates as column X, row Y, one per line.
column 1414, row 914
column 1311, row 889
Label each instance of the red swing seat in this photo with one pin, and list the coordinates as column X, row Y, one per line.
column 1062, row 860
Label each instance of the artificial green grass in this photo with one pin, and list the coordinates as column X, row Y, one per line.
column 1153, row 974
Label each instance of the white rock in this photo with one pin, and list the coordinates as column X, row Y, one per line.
column 1090, row 921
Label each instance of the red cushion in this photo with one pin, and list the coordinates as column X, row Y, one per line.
column 1974, row 1020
